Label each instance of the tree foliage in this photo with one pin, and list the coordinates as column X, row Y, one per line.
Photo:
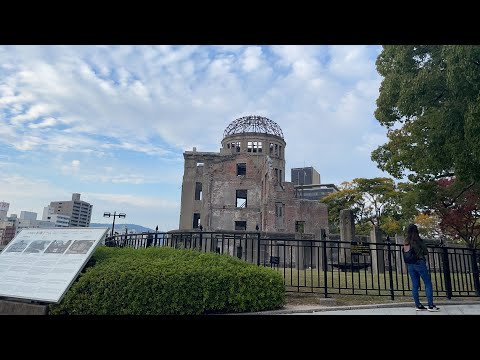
column 459, row 214
column 430, row 104
column 428, row 225
column 373, row 201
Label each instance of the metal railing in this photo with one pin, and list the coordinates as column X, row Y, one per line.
column 327, row 266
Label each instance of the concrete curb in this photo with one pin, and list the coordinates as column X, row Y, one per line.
column 300, row 310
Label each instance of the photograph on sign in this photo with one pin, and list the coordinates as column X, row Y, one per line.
column 42, row 264
column 58, row 246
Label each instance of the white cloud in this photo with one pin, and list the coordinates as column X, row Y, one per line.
column 126, row 113
column 252, row 58
column 45, row 123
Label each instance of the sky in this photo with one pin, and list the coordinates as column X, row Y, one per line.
column 112, row 122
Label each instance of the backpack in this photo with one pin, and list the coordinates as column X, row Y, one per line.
column 409, row 255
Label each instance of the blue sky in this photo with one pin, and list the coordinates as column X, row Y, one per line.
column 112, row 122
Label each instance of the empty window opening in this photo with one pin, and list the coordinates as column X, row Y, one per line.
column 276, row 175
column 276, row 149
column 254, row 146
column 236, row 145
column 200, row 164
column 278, row 209
column 241, row 169
column 241, row 198
column 271, row 148
column 280, row 150
column 196, row 220
column 300, row 226
column 198, row 191
column 240, row 225
column 280, row 179
column 228, row 146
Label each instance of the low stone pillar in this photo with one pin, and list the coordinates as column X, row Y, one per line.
column 347, row 233
column 401, row 266
column 377, row 251
column 300, row 252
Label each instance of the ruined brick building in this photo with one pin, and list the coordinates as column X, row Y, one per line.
column 242, row 187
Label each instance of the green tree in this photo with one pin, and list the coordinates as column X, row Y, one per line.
column 429, row 225
column 373, row 201
column 430, row 104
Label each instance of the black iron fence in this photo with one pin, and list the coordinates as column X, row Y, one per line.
column 326, row 266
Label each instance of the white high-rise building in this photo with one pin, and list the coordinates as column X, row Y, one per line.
column 3, row 209
column 80, row 212
column 59, row 220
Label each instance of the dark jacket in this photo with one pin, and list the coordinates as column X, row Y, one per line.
column 420, row 249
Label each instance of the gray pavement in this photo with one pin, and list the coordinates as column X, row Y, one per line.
column 446, row 308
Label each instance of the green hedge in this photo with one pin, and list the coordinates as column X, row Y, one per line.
column 170, row 281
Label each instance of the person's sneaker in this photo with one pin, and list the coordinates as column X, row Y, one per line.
column 420, row 308
column 433, row 308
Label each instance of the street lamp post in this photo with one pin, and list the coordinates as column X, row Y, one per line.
column 114, row 215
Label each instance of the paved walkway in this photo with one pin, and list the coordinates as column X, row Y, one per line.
column 446, row 308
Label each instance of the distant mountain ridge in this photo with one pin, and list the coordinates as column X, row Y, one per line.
column 121, row 227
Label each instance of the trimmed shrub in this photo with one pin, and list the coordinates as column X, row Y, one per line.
column 168, row 281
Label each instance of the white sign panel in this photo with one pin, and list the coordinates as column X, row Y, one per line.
column 41, row 264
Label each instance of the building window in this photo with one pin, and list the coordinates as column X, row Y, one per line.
column 200, row 163
column 300, row 226
column 254, row 146
column 280, row 176
column 278, row 209
column 241, row 199
column 276, row 150
column 241, row 169
column 280, row 150
column 271, row 148
column 198, row 191
column 228, row 146
column 240, row 225
column 196, row 220
column 236, row 145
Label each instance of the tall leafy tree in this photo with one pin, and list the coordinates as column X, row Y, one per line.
column 430, row 104
column 373, row 201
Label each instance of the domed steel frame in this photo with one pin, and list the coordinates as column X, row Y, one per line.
column 253, row 123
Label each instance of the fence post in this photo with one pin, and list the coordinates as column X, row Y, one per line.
column 446, row 272
column 324, row 261
column 390, row 275
column 476, row 281
column 258, row 249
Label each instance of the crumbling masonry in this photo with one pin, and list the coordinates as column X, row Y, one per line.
column 242, row 187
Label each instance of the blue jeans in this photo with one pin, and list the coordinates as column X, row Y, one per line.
column 417, row 270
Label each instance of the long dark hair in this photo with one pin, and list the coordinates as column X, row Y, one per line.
column 412, row 235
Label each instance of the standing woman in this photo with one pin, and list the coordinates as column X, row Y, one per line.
column 419, row 269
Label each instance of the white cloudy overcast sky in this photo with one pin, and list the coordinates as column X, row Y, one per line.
column 112, row 122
